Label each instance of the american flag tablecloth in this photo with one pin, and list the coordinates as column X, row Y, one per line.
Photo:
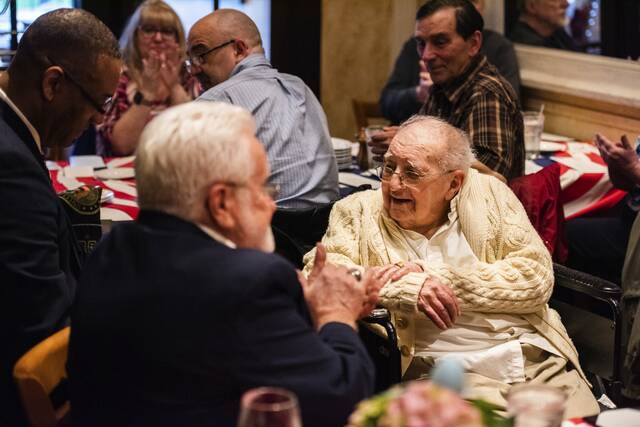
column 584, row 179
column 123, row 206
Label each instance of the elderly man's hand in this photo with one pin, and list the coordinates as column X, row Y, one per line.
column 622, row 161
column 374, row 279
column 380, row 142
column 439, row 303
column 332, row 293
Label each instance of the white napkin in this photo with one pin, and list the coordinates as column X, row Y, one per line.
column 91, row 161
column 78, row 171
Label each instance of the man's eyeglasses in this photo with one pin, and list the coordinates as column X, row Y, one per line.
column 408, row 176
column 270, row 190
column 101, row 108
column 149, row 31
column 198, row 60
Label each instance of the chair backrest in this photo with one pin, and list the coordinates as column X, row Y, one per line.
column 37, row 375
column 367, row 113
column 539, row 194
column 296, row 231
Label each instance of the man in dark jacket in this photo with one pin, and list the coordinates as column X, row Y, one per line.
column 55, row 87
column 182, row 311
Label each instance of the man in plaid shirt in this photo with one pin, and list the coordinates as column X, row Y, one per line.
column 467, row 92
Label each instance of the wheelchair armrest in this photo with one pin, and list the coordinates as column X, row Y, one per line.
column 379, row 338
column 578, row 295
column 381, row 316
column 574, row 281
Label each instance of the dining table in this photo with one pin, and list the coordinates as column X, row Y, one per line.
column 113, row 174
column 585, row 185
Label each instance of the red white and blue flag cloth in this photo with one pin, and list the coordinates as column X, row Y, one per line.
column 584, row 179
column 122, row 206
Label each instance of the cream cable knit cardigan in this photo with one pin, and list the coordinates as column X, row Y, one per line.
column 514, row 275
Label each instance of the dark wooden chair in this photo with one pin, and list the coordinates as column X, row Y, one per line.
column 367, row 113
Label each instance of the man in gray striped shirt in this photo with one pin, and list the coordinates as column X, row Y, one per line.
column 226, row 55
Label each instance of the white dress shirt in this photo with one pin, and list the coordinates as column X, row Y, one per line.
column 488, row 344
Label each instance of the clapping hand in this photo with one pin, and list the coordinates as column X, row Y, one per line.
column 171, row 66
column 622, row 161
column 424, row 86
column 160, row 72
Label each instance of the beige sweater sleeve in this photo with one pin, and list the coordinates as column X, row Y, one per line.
column 341, row 239
column 517, row 273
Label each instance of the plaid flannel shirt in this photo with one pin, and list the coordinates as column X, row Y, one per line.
column 483, row 104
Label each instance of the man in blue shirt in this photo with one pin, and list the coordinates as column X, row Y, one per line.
column 226, row 55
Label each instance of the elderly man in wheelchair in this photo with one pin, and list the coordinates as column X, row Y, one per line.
column 467, row 276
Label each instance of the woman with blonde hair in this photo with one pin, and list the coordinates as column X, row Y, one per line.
column 153, row 78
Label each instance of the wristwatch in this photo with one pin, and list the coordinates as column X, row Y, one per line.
column 138, row 99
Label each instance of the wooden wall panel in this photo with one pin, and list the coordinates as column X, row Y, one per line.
column 580, row 117
column 360, row 42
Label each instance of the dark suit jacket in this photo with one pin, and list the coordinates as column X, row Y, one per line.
column 170, row 327
column 38, row 254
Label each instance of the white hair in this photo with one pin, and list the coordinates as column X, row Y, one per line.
column 456, row 152
column 187, row 148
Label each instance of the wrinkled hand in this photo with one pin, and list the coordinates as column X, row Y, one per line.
column 439, row 303
column 376, row 277
column 373, row 280
column 424, row 86
column 332, row 293
column 380, row 141
column 622, row 161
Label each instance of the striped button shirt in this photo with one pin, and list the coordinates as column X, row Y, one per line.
column 292, row 126
column 483, row 104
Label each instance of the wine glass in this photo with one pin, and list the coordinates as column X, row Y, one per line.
column 536, row 405
column 269, row 407
column 369, row 132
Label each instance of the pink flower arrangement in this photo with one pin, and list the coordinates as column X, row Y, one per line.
column 417, row 404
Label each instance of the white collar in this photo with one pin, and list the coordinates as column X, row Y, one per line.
column 14, row 107
column 217, row 236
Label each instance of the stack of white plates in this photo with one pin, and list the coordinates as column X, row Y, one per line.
column 342, row 148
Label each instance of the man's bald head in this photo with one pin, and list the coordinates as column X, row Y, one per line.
column 448, row 146
column 230, row 24
column 218, row 42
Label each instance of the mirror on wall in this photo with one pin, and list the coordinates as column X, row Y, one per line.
column 599, row 27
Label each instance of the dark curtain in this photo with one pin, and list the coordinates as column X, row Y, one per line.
column 295, row 39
